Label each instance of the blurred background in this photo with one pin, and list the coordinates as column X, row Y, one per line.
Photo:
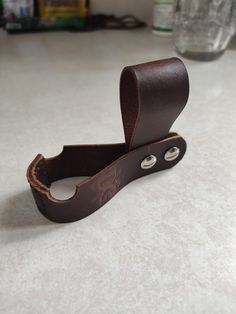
column 201, row 30
column 167, row 242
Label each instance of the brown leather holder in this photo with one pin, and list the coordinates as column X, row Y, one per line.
column 152, row 96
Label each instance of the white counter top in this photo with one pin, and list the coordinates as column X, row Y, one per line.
column 167, row 242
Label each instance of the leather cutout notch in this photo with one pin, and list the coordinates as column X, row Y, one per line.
column 152, row 95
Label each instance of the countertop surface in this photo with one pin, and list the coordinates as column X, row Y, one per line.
column 165, row 243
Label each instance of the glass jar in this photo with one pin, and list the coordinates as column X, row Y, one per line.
column 202, row 28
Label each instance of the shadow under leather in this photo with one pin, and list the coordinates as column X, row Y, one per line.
column 232, row 44
column 21, row 220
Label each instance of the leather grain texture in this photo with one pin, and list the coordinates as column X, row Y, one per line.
column 152, row 95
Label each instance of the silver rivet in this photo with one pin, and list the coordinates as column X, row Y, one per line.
column 172, row 153
column 148, row 162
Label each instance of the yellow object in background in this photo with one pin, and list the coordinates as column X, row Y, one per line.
column 62, row 8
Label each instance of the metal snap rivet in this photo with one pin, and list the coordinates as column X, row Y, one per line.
column 172, row 153
column 148, row 162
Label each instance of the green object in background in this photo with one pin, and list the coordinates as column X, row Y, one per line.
column 42, row 15
column 1, row 8
column 2, row 21
column 163, row 17
column 34, row 24
column 63, row 13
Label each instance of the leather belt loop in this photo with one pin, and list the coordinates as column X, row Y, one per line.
column 152, row 95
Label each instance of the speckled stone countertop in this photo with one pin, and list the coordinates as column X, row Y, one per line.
column 167, row 242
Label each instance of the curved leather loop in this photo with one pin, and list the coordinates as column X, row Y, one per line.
column 106, row 178
column 152, row 95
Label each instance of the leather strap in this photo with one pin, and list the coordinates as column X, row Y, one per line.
column 152, row 96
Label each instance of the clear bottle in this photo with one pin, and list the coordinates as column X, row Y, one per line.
column 163, row 17
column 202, row 28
